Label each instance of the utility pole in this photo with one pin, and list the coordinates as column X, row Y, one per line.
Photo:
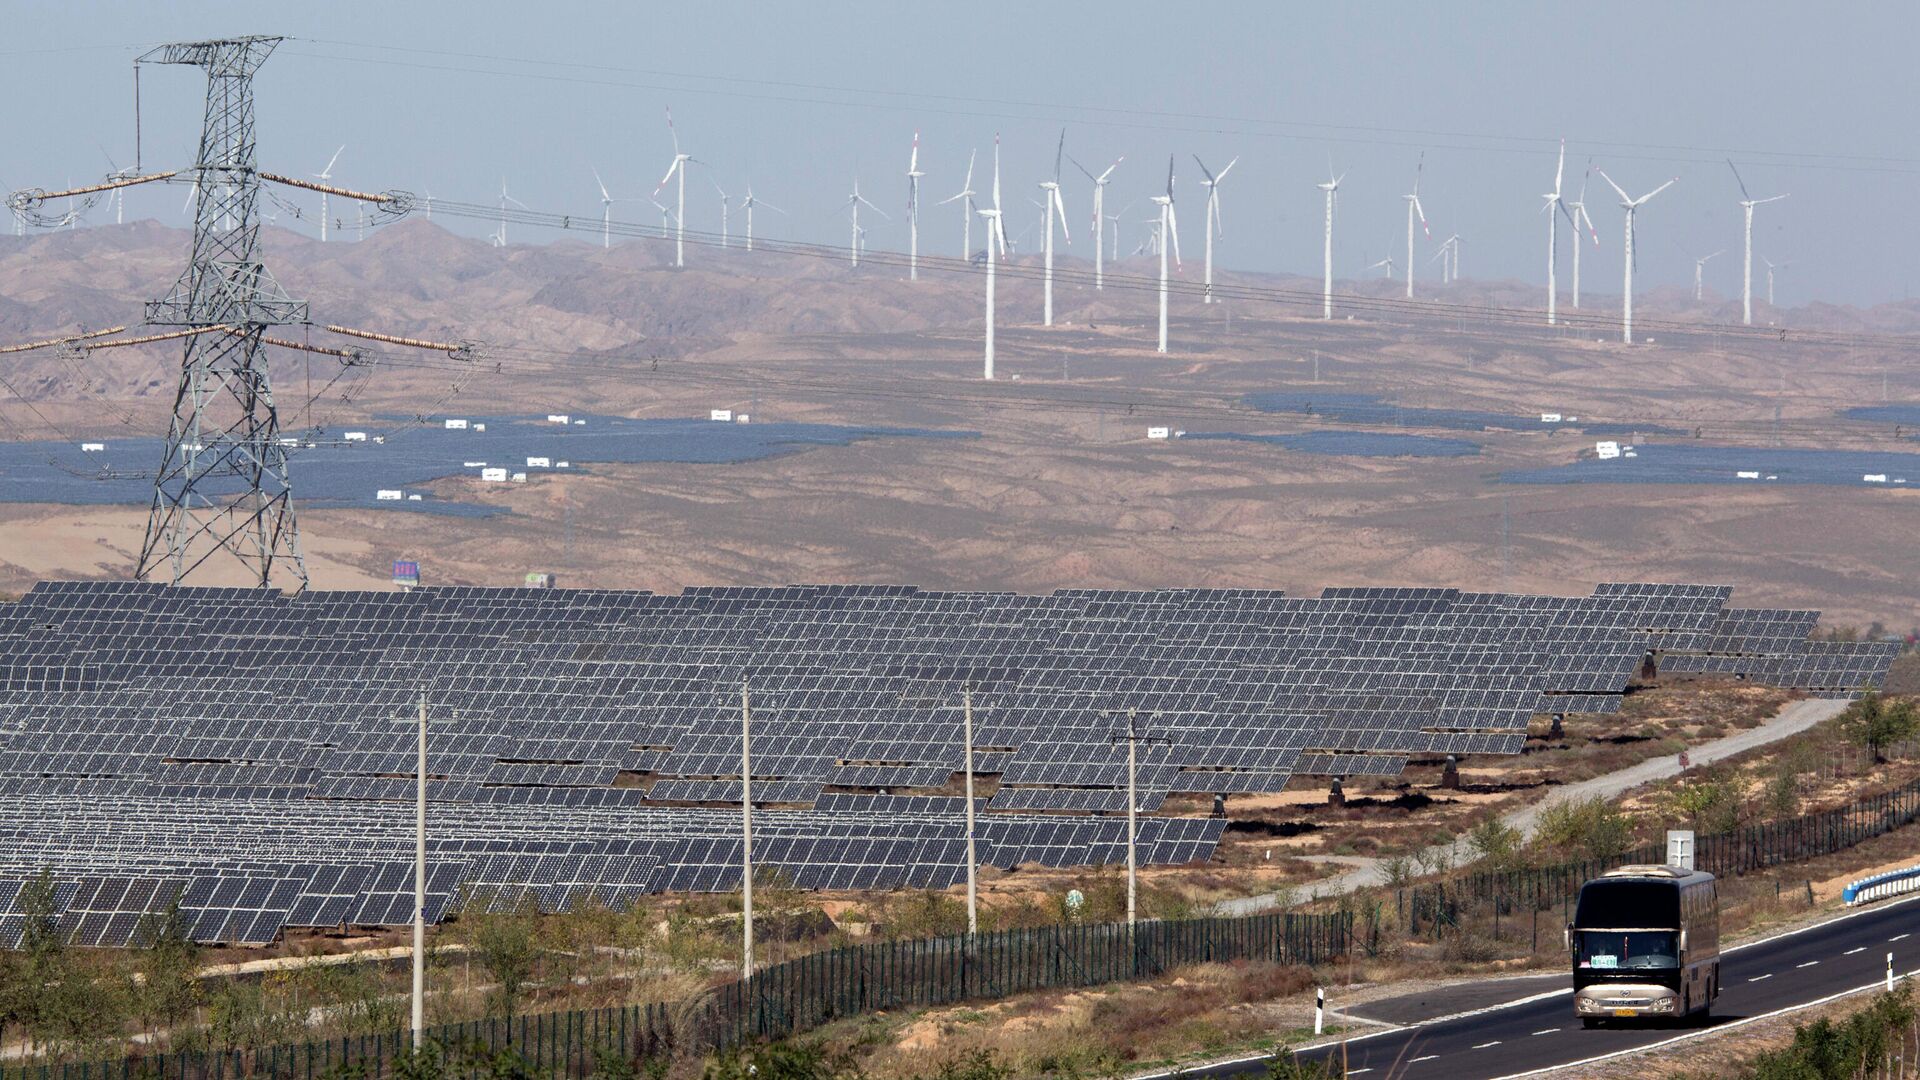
column 223, row 484
column 966, row 713
column 420, row 881
column 1133, row 738
column 746, row 835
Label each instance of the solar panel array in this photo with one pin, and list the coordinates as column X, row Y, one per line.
column 252, row 754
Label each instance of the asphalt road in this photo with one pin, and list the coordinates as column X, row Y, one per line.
column 1764, row 977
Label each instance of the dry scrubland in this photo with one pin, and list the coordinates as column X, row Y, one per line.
column 1061, row 490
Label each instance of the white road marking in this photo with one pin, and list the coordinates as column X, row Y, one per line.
column 1897, row 937
column 1483, row 1046
column 1850, row 952
column 1808, row 964
column 1758, row 978
column 1549, row 1031
column 1357, row 1072
column 1418, row 1060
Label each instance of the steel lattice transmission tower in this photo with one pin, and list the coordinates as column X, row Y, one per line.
column 223, row 484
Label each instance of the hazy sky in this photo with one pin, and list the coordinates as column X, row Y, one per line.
column 801, row 98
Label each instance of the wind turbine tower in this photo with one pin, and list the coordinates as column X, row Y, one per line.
column 1747, row 203
column 1631, row 206
column 678, row 168
column 1556, row 204
column 996, row 237
column 323, row 176
column 1213, row 219
column 1050, row 193
column 1169, row 239
column 967, row 209
column 748, row 204
column 913, row 210
column 606, row 212
column 1414, row 209
column 1332, row 188
column 1699, row 265
column 1580, row 218
column 853, row 202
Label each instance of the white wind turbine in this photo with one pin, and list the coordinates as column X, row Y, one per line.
column 678, row 168
column 1169, row 235
column 913, row 210
column 1414, row 208
column 853, row 203
column 1631, row 206
column 1581, row 217
column 726, row 210
column 1387, row 263
column 1555, row 203
column 996, row 237
column 748, row 205
column 119, row 194
column 666, row 217
column 1771, row 267
column 500, row 238
column 1053, row 206
column 1212, row 183
column 1331, row 187
column 606, row 211
column 1747, row 203
column 429, row 193
column 323, row 176
column 1448, row 256
column 967, row 209
column 1099, row 218
column 1699, row 265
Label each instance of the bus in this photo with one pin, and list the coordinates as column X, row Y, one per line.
column 1646, row 945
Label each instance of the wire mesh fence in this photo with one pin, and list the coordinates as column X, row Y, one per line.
column 781, row 1000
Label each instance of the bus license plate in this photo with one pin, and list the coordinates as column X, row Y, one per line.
column 1623, row 1012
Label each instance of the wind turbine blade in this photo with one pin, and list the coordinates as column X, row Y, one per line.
column 1659, row 189
column 1417, row 170
column 1737, row 180
column 1173, row 234
column 1169, row 177
column 913, row 162
column 1775, row 198
column 334, row 158
column 1559, row 169
column 1219, row 222
column 1228, row 169
column 674, row 135
column 671, row 169
column 1061, row 207
column 968, row 186
column 1116, row 164
column 1624, row 197
column 765, row 205
column 604, row 197
column 1082, row 168
column 1423, row 216
column 1570, row 219
column 1204, row 171
column 1058, row 152
column 996, row 174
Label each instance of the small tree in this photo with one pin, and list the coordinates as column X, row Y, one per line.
column 1495, row 842
column 43, row 958
column 169, row 964
column 1875, row 723
column 504, row 938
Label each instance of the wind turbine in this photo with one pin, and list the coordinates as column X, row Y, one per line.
column 1414, row 208
column 119, row 194
column 996, row 236
column 1448, row 256
column 1386, row 262
column 1099, row 218
column 666, row 217
column 1631, row 206
column 1212, row 183
column 323, row 176
column 1114, row 220
column 853, row 202
column 678, row 168
column 1051, row 198
column 1747, row 203
column 726, row 209
column 1581, row 217
column 606, row 211
column 429, row 192
column 1555, row 202
column 913, row 210
column 967, row 209
column 1700, row 264
column 1331, row 187
column 500, row 238
column 1771, row 267
column 1169, row 235
column 748, row 204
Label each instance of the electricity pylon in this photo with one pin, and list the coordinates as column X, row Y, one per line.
column 223, row 483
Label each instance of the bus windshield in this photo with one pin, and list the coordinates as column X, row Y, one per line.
column 1608, row 950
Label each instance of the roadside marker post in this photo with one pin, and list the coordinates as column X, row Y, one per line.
column 1320, row 1010
column 1889, row 973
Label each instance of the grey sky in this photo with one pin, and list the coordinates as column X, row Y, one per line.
column 1810, row 100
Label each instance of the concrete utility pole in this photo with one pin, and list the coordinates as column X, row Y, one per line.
column 973, row 911
column 420, row 880
column 746, row 835
column 1133, row 738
